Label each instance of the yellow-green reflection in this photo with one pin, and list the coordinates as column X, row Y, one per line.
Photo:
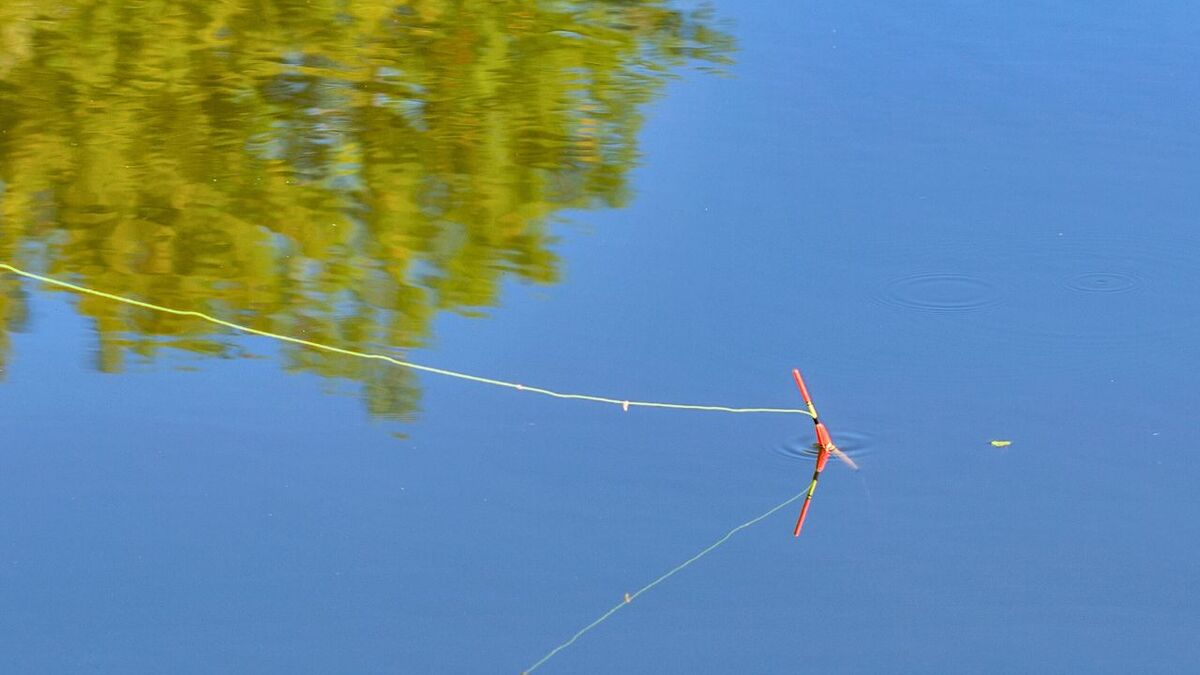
column 336, row 170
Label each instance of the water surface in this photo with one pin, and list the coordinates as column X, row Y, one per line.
column 965, row 224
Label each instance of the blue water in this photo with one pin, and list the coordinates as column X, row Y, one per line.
column 964, row 223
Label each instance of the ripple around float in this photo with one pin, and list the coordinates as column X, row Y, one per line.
column 854, row 443
column 940, row 292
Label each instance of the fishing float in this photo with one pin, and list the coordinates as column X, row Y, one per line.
column 825, row 448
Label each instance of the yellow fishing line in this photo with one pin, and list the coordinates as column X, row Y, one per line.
column 624, row 403
column 630, row 597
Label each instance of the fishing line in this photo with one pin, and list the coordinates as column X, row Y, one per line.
column 629, row 597
column 625, row 404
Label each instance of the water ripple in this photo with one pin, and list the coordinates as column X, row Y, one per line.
column 940, row 292
column 856, row 444
column 1103, row 282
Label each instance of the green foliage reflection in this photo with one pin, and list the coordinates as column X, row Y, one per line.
column 339, row 170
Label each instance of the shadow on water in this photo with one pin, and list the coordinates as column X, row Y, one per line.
column 338, row 174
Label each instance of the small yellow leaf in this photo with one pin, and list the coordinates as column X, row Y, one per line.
column 1001, row 444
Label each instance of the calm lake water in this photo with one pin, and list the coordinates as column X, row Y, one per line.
column 964, row 223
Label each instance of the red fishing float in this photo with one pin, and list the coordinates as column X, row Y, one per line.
column 825, row 448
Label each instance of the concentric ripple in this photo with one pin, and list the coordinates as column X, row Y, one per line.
column 940, row 292
column 855, row 444
column 1105, row 291
column 1063, row 300
column 1103, row 282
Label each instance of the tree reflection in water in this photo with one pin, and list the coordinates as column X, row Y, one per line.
column 338, row 171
